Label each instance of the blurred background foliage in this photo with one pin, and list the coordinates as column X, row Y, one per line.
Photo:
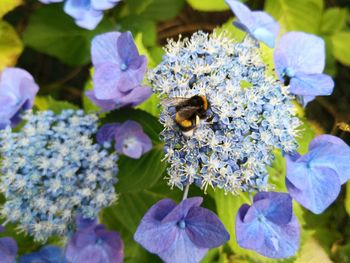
column 45, row 41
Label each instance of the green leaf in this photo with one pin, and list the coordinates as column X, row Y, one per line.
column 137, row 24
column 347, row 198
column 208, row 5
column 8, row 5
column 151, row 105
column 231, row 30
column 156, row 10
column 341, row 51
column 311, row 251
column 333, row 20
column 53, row 32
column 88, row 105
column 143, row 173
column 10, row 45
column 300, row 15
column 48, row 103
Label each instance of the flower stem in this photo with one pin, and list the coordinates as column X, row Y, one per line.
column 186, row 192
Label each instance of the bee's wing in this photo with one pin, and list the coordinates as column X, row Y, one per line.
column 187, row 112
column 170, row 102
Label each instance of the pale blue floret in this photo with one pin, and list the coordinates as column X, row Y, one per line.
column 52, row 171
column 252, row 113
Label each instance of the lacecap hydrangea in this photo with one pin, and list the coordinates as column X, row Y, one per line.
column 53, row 171
column 250, row 113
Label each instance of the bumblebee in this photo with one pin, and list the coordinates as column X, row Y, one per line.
column 189, row 112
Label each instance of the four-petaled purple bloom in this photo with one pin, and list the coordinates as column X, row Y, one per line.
column 8, row 248
column 92, row 243
column 129, row 137
column 269, row 226
column 314, row 179
column 51, row 254
column 119, row 72
column 299, row 62
column 180, row 233
column 258, row 24
column 17, row 92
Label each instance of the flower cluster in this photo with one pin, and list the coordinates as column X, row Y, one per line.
column 250, row 113
column 88, row 13
column 52, row 171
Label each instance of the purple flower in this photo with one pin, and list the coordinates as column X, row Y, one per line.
column 180, row 233
column 299, row 62
column 119, row 71
column 258, row 24
column 314, row 179
column 85, row 15
column 8, row 248
column 17, row 92
column 47, row 254
column 268, row 226
column 50, row 1
column 92, row 243
column 129, row 137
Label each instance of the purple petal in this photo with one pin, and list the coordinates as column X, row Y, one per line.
column 131, row 140
column 267, row 29
column 243, row 13
column 333, row 153
column 105, row 105
column 82, row 222
column 85, row 16
column 259, row 24
column 107, row 133
column 95, row 244
column 107, row 80
column 128, row 52
column 311, row 85
column 104, row 49
column 103, row 4
column 183, row 250
column 8, row 250
column 313, row 187
column 279, row 209
column 248, row 235
column 17, row 92
column 50, row 1
column 151, row 233
column 205, row 229
column 302, row 52
column 46, row 254
column 135, row 97
column 272, row 238
column 182, row 209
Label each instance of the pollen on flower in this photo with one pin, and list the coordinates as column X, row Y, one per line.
column 251, row 113
column 56, row 173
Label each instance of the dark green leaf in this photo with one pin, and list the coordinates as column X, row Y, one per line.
column 53, row 32
column 157, row 10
